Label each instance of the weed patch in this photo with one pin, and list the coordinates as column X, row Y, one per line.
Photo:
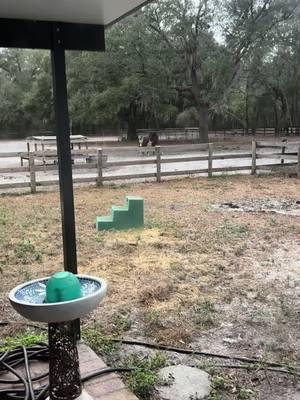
column 153, row 224
column 144, row 378
column 3, row 216
column 205, row 314
column 98, row 343
column 229, row 230
column 26, row 252
column 25, row 339
column 153, row 320
column 122, row 323
column 116, row 186
column 223, row 387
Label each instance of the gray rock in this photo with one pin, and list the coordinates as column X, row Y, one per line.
column 183, row 383
column 296, row 396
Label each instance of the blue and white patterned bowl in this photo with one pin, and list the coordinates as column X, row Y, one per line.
column 28, row 300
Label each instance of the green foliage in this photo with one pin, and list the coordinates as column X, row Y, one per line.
column 100, row 237
column 205, row 314
column 143, row 378
column 115, row 186
column 154, row 224
column 153, row 320
column 246, row 394
column 23, row 339
column 100, row 344
column 3, row 217
column 243, row 71
column 25, row 103
column 229, row 230
column 219, row 382
column 122, row 323
column 187, row 118
column 273, row 221
column 223, row 387
column 26, row 252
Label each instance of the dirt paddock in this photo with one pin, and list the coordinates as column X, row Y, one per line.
column 198, row 275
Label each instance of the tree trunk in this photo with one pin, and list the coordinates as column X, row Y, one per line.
column 247, row 107
column 203, row 123
column 276, row 119
column 285, row 112
column 131, row 128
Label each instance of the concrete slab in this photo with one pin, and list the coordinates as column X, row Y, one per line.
column 184, row 383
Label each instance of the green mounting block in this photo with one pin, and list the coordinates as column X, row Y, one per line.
column 131, row 215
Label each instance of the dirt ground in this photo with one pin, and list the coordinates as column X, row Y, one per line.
column 198, row 276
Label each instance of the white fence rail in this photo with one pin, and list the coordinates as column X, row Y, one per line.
column 190, row 157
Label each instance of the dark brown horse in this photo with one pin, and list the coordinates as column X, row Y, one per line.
column 149, row 140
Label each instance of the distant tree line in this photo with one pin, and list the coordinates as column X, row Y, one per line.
column 205, row 63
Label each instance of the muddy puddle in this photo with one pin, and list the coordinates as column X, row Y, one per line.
column 275, row 206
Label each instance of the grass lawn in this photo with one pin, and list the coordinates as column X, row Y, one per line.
column 196, row 276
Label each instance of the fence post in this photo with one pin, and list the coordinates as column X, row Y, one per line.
column 100, row 167
column 158, row 163
column 282, row 152
column 32, row 173
column 210, row 160
column 254, row 146
column 298, row 166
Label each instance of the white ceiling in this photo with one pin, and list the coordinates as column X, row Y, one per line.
column 102, row 12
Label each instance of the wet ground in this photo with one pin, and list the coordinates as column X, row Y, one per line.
column 285, row 206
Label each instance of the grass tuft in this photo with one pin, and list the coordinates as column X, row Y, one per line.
column 144, row 378
column 205, row 314
column 3, row 216
column 229, row 230
column 23, row 339
column 97, row 342
column 26, row 252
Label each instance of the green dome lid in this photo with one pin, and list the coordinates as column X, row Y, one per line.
column 62, row 286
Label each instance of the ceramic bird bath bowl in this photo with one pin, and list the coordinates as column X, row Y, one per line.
column 29, row 299
column 59, row 300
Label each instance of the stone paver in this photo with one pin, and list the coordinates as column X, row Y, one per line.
column 184, row 383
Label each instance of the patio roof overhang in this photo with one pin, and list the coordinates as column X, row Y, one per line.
column 98, row 12
column 81, row 23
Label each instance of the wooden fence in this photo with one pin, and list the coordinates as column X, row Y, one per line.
column 193, row 133
column 98, row 162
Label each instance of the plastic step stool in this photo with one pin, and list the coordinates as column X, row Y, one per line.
column 130, row 216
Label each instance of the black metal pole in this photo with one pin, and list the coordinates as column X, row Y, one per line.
column 60, row 96
column 64, row 150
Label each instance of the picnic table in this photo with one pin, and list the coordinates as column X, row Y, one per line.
column 44, row 143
